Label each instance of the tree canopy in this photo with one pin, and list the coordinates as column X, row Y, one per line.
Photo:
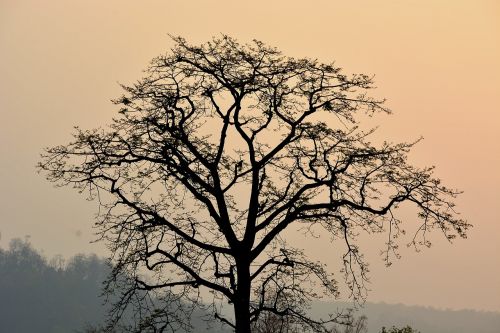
column 218, row 150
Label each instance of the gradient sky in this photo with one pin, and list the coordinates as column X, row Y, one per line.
column 437, row 63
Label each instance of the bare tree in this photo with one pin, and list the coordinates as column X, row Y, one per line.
column 219, row 150
column 346, row 322
column 352, row 325
column 272, row 323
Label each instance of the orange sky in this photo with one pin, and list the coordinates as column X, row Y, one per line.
column 435, row 61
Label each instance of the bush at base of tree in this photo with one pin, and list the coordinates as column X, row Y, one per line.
column 393, row 329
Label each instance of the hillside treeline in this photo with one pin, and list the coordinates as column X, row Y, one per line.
column 38, row 295
column 56, row 295
column 61, row 296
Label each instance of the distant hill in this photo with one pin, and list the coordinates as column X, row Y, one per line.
column 423, row 319
column 38, row 296
column 58, row 296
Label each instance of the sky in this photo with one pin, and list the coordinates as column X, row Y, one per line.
column 436, row 62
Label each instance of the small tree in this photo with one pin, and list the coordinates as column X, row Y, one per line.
column 219, row 150
column 351, row 325
column 393, row 329
column 272, row 323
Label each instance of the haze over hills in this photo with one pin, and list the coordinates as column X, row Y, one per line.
column 56, row 295
column 436, row 62
column 423, row 319
column 53, row 296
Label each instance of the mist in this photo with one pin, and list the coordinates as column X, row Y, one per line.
column 435, row 62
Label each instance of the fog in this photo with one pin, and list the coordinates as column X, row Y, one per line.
column 435, row 61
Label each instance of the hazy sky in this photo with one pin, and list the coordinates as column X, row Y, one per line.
column 437, row 63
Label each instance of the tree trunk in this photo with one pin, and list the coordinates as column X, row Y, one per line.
column 242, row 299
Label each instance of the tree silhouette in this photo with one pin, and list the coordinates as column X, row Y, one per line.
column 219, row 150
column 353, row 325
column 393, row 329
